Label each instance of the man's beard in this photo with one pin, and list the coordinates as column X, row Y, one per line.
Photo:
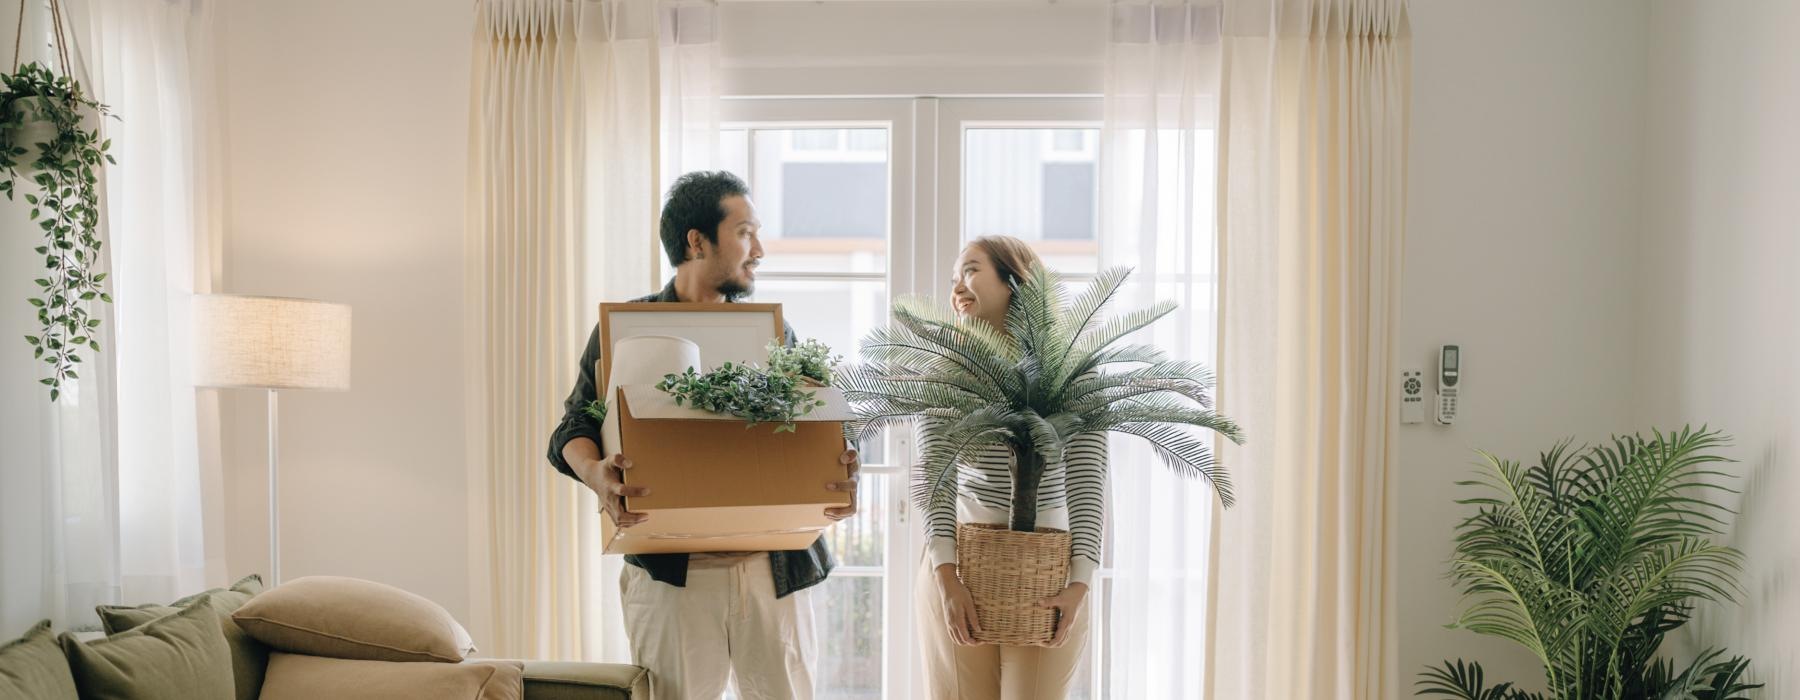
column 734, row 290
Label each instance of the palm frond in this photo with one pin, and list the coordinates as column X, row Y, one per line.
column 1183, row 452
column 963, row 346
column 1154, row 409
column 1708, row 677
column 1467, row 681
column 1035, row 323
column 943, row 447
column 1084, row 311
column 986, row 339
column 1112, row 331
column 1044, row 436
column 1189, row 380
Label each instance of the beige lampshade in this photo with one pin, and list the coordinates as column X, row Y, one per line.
column 271, row 343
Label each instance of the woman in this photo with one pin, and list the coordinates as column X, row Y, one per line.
column 1071, row 497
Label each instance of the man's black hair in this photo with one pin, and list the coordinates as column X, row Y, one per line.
column 696, row 202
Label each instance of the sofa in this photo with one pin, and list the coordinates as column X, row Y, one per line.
column 311, row 637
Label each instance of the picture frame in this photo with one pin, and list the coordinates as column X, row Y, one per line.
column 725, row 332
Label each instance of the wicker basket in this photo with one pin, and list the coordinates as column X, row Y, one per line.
column 1008, row 573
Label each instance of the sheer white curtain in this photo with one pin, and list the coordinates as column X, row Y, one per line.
column 1314, row 109
column 58, row 487
column 111, row 494
column 1157, row 214
column 689, row 40
column 564, row 173
column 152, row 63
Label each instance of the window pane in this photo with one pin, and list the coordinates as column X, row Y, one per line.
column 1038, row 184
column 848, row 623
column 822, row 196
column 862, row 540
column 837, row 313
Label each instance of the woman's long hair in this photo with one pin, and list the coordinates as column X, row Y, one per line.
column 1012, row 260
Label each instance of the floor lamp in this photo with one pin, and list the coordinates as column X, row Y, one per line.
column 271, row 343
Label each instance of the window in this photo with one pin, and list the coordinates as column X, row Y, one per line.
column 1037, row 184
column 863, row 200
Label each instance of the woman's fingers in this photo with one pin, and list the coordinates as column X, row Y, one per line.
column 963, row 625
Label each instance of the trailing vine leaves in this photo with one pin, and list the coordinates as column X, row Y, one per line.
column 65, row 206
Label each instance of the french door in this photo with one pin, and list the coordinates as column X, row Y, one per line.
column 864, row 200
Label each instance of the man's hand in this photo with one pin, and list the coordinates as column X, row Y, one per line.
column 853, row 464
column 607, row 478
column 1067, row 605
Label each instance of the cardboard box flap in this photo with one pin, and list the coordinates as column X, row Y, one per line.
column 646, row 402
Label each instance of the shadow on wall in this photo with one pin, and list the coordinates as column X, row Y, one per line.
column 1763, row 530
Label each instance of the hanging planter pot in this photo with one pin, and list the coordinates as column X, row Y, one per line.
column 30, row 133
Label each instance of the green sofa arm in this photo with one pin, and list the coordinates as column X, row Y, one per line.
column 572, row 680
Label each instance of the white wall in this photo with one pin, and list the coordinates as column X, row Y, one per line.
column 1720, row 310
column 1523, row 222
column 911, row 48
column 347, row 140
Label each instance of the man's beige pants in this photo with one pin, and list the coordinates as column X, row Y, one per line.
column 725, row 623
column 989, row 671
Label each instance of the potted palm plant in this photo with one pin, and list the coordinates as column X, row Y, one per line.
column 1589, row 559
column 48, row 139
column 1057, row 372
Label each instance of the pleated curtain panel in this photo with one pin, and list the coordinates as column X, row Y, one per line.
column 563, row 202
column 1314, row 99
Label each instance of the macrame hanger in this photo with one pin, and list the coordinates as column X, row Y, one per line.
column 61, row 40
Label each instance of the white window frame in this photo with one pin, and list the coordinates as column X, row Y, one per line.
column 925, row 222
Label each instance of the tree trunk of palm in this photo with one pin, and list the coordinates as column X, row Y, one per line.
column 1027, row 474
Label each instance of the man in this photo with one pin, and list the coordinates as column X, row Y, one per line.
column 695, row 620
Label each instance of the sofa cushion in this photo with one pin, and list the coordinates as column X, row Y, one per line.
column 574, row 680
column 302, row 677
column 248, row 656
column 118, row 618
column 351, row 618
column 249, row 586
column 176, row 656
column 33, row 667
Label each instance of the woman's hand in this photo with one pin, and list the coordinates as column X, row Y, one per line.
column 959, row 607
column 1068, row 605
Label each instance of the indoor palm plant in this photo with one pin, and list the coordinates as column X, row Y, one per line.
column 47, row 140
column 1057, row 371
column 1589, row 559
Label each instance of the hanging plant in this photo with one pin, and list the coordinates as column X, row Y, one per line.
column 46, row 142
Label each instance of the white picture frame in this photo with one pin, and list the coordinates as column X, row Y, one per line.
column 725, row 332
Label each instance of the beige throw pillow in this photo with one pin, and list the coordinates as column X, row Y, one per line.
column 351, row 618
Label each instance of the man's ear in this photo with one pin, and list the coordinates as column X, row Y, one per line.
column 696, row 243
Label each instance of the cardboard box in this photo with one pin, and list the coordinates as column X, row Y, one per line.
column 717, row 485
